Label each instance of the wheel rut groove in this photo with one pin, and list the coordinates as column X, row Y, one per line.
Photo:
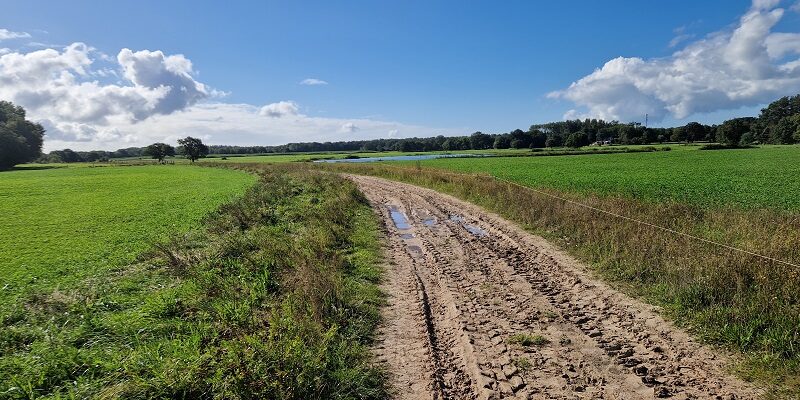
column 465, row 287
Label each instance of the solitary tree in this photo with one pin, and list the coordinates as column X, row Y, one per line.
column 192, row 148
column 20, row 139
column 159, row 151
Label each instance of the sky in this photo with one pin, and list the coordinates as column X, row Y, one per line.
column 107, row 75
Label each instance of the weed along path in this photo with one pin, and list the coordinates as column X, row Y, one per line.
column 480, row 309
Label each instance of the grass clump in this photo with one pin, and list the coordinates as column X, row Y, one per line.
column 522, row 363
column 275, row 297
column 528, row 340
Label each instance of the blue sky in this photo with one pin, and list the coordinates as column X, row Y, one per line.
column 447, row 67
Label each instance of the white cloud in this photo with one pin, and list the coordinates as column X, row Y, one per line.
column 796, row 6
column 6, row 34
column 233, row 124
column 348, row 127
column 280, row 109
column 726, row 70
column 62, row 87
column 90, row 101
column 393, row 133
column 313, row 82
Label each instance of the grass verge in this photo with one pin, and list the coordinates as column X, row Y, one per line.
column 275, row 297
column 732, row 299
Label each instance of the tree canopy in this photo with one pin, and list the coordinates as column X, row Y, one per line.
column 192, row 148
column 159, row 151
column 20, row 139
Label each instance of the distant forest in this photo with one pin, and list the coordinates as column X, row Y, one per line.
column 778, row 123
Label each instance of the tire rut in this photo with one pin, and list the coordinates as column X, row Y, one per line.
column 476, row 286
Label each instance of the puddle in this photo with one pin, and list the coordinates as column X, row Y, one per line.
column 471, row 228
column 429, row 221
column 475, row 230
column 415, row 251
column 407, row 236
column 400, row 220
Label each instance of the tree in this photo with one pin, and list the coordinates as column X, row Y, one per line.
column 694, row 131
column 538, row 138
column 480, row 141
column 577, row 139
column 192, row 148
column 502, row 141
column 159, row 151
column 784, row 130
column 20, row 140
column 732, row 130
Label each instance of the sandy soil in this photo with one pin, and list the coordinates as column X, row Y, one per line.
column 462, row 282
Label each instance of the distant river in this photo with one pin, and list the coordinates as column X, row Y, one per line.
column 399, row 158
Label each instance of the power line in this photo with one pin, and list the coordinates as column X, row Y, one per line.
column 659, row 227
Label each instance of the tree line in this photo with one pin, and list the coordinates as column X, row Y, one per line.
column 778, row 123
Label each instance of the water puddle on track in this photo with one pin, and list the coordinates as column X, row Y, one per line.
column 406, row 236
column 400, row 220
column 475, row 230
column 415, row 251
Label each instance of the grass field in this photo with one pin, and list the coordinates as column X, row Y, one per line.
column 749, row 178
column 62, row 225
column 271, row 296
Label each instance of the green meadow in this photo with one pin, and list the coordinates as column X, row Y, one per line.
column 61, row 225
column 767, row 177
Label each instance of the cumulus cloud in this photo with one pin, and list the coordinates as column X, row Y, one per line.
column 6, row 34
column 348, row 127
column 313, row 82
column 63, row 87
column 87, row 100
column 280, row 109
column 746, row 66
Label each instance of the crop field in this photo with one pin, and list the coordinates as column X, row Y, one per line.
column 62, row 225
column 767, row 177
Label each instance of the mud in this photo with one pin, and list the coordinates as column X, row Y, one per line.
column 462, row 282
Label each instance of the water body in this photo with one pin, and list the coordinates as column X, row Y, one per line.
column 399, row 158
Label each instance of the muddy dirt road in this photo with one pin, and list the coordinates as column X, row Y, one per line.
column 478, row 308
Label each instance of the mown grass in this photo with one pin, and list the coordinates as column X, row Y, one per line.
column 727, row 298
column 62, row 225
column 767, row 177
column 275, row 297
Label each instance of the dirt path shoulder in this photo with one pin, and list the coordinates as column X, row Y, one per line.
column 479, row 308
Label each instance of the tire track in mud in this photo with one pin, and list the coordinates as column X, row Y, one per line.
column 463, row 283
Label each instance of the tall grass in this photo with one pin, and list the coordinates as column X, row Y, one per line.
column 275, row 297
column 729, row 298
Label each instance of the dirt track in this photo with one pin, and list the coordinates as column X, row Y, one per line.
column 463, row 281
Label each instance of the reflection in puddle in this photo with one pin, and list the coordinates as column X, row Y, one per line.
column 471, row 228
column 429, row 221
column 475, row 230
column 400, row 220
column 407, row 236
